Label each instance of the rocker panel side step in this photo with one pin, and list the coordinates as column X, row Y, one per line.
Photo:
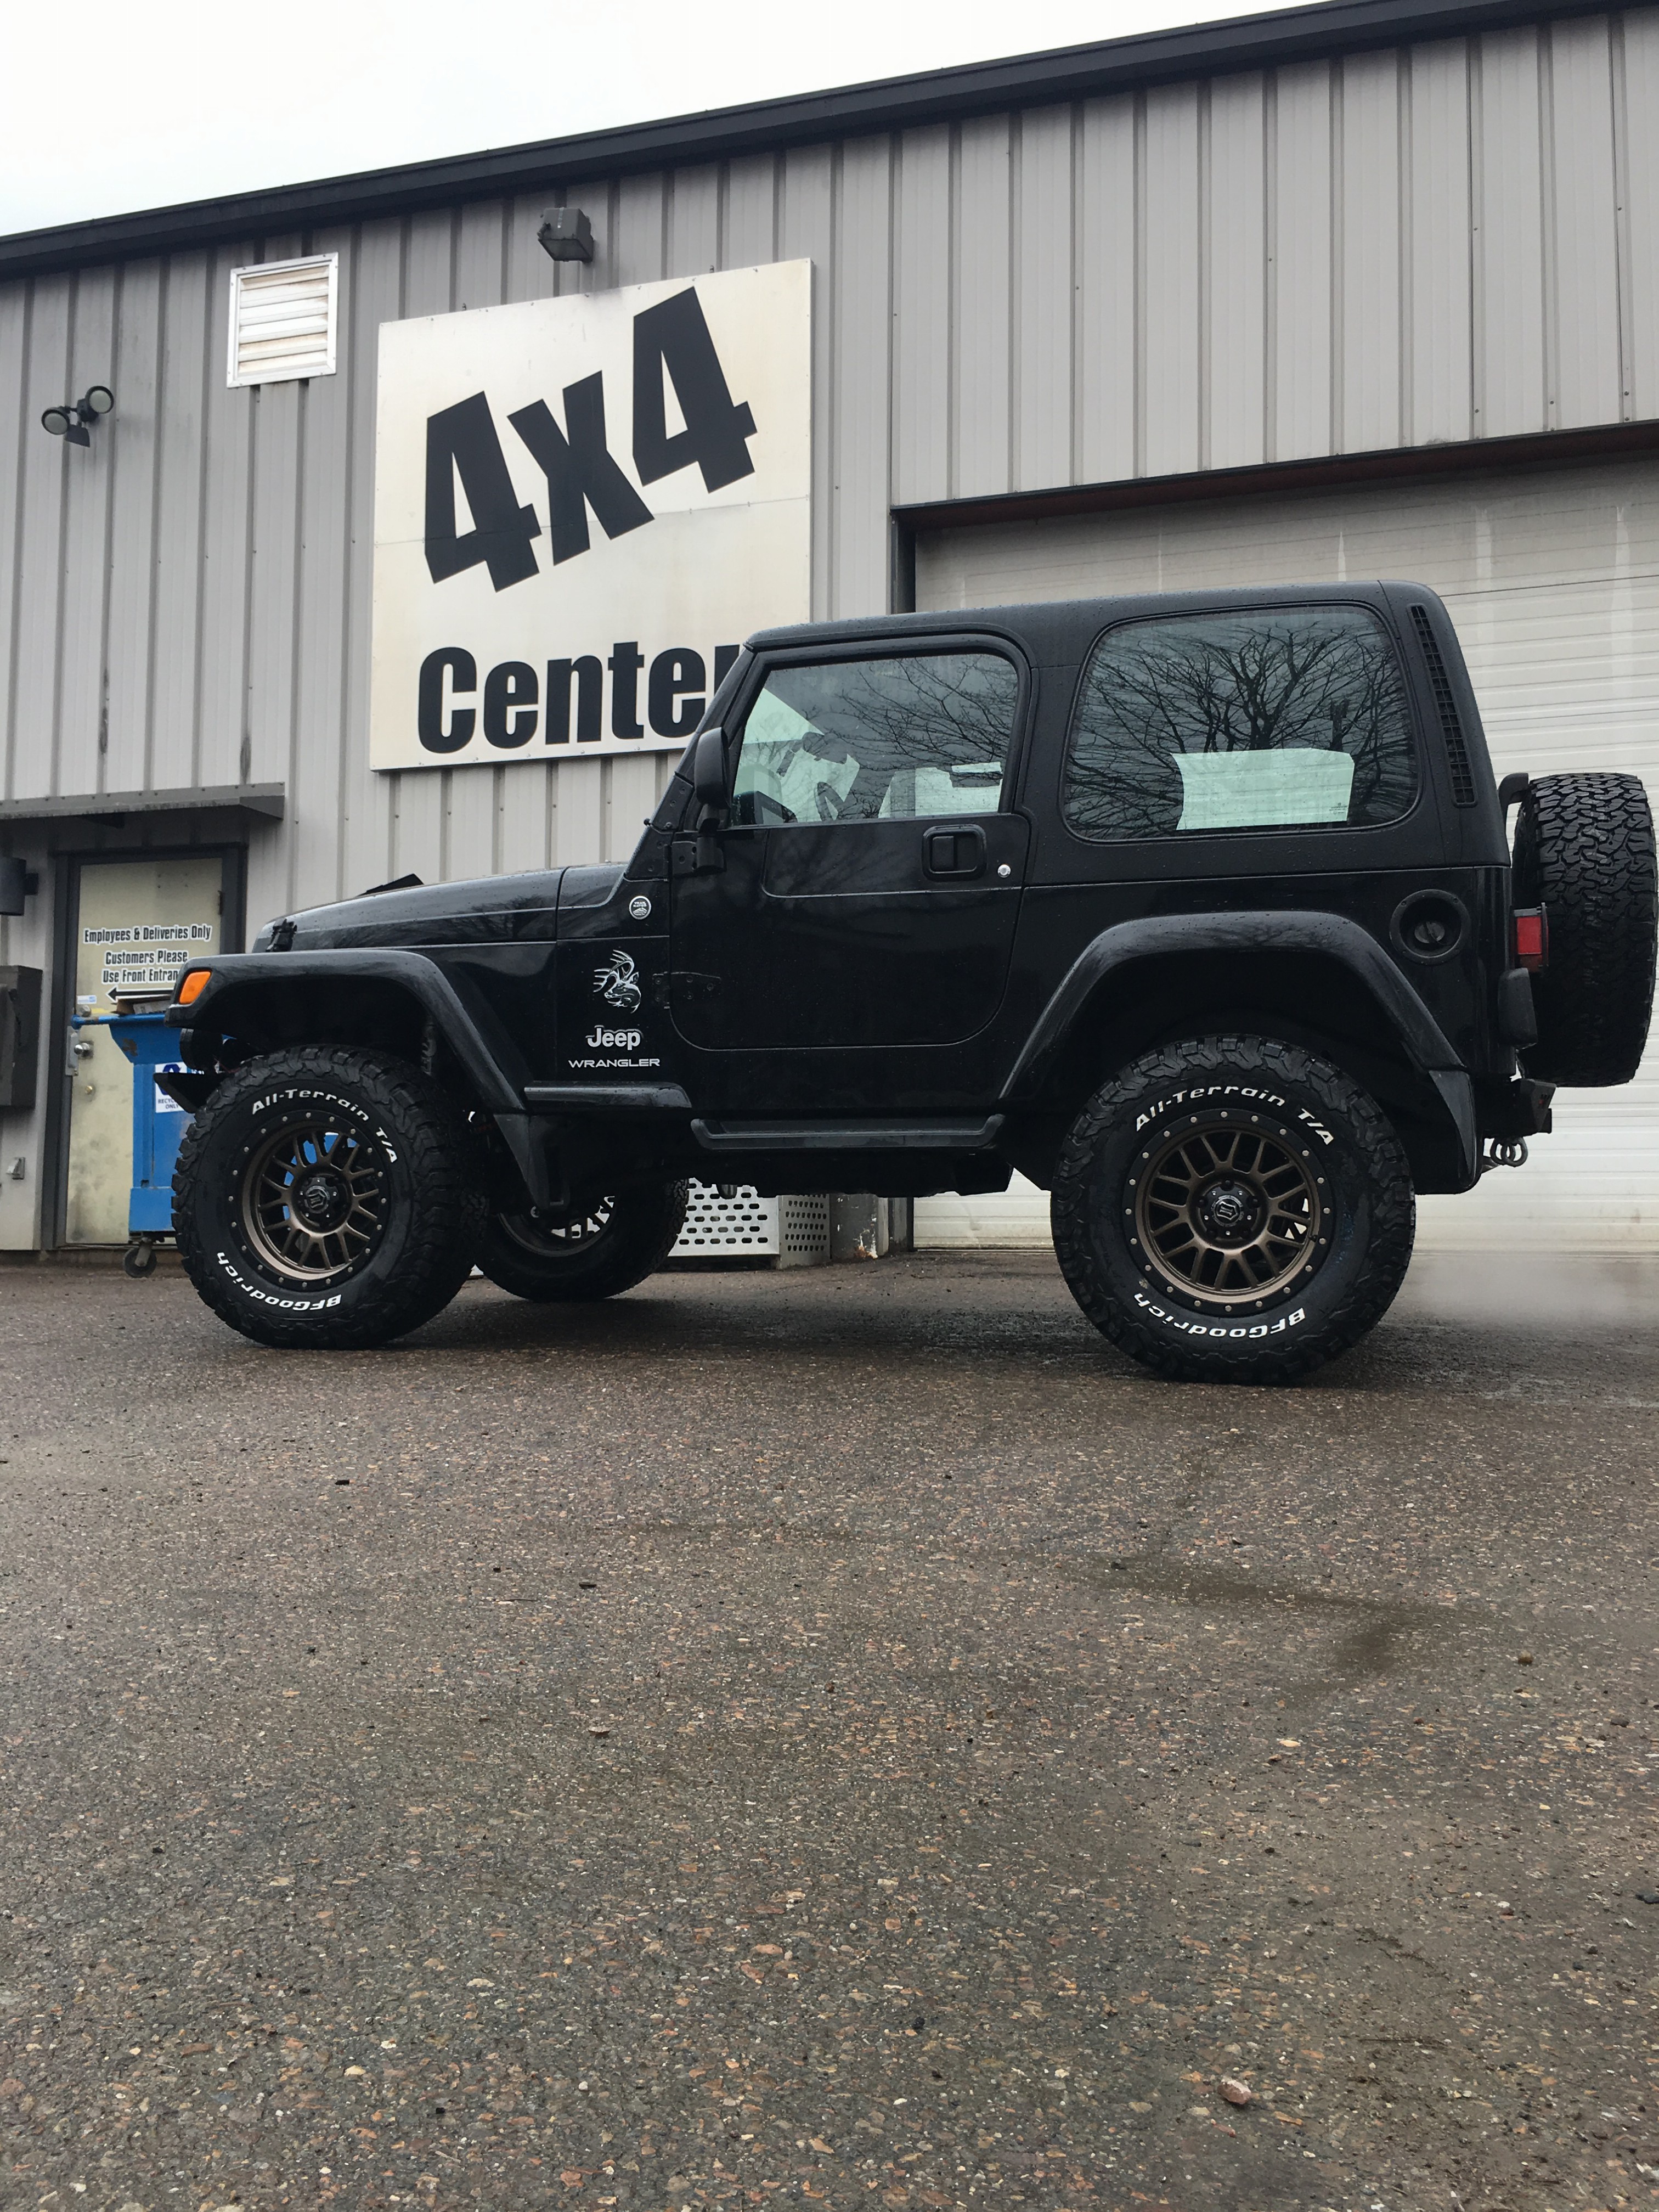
column 954, row 1134
column 605, row 1098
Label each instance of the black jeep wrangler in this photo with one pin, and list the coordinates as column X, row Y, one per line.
column 1198, row 910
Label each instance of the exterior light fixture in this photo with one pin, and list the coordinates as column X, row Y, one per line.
column 566, row 234
column 17, row 884
column 72, row 420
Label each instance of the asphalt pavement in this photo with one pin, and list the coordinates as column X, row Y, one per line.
column 843, row 1736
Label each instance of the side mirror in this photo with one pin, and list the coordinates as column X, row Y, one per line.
column 708, row 776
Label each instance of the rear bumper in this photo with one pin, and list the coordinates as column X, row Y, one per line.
column 1508, row 1108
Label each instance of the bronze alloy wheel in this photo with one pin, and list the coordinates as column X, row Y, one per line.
column 313, row 1202
column 1228, row 1209
column 1232, row 1209
column 550, row 1237
column 329, row 1200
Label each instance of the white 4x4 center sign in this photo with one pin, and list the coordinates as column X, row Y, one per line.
column 581, row 508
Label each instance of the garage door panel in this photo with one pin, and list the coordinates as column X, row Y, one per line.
column 1552, row 580
column 1481, row 535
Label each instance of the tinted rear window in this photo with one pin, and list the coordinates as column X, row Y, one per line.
column 1288, row 717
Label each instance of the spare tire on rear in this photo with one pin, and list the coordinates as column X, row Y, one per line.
column 1584, row 852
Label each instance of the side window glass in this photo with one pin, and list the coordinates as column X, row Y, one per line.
column 1285, row 717
column 923, row 733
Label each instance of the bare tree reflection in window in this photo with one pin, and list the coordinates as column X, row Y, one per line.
column 855, row 740
column 1320, row 679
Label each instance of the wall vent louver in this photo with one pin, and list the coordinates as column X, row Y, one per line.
column 1458, row 753
column 283, row 317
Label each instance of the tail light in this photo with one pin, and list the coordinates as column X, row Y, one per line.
column 1532, row 938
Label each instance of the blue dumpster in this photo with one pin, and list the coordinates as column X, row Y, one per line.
column 158, row 1123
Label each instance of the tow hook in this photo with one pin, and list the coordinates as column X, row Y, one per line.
column 1504, row 1152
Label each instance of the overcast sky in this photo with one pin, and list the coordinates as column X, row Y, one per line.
column 104, row 107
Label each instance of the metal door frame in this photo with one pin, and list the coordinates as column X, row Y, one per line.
column 66, row 868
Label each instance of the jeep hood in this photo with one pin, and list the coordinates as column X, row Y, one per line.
column 490, row 910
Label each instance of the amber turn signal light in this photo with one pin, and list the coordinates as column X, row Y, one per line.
column 193, row 986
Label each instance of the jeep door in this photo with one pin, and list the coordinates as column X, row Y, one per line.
column 870, row 875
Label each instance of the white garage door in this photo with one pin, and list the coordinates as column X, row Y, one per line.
column 1552, row 580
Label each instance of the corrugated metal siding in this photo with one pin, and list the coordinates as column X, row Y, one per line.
column 1552, row 580
column 1456, row 239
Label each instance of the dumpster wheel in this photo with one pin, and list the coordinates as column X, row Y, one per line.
column 139, row 1258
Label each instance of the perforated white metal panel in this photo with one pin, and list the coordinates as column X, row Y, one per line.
column 716, row 1228
column 803, row 1232
column 794, row 1231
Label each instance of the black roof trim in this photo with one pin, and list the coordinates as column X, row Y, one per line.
column 1066, row 73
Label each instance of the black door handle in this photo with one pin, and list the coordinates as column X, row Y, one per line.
column 958, row 852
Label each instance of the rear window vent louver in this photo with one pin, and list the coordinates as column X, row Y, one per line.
column 1458, row 753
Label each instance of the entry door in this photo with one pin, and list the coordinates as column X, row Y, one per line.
column 872, row 873
column 138, row 923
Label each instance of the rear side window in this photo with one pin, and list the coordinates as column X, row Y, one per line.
column 878, row 740
column 1283, row 718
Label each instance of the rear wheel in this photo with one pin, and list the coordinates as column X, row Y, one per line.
column 592, row 1251
column 1232, row 1210
column 328, row 1197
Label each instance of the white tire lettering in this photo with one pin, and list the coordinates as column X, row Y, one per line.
column 1215, row 1091
column 1155, row 1312
column 268, row 1298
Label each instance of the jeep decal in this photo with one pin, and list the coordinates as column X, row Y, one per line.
column 617, row 983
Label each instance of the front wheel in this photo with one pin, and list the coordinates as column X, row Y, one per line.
column 592, row 1251
column 328, row 1197
column 1233, row 1210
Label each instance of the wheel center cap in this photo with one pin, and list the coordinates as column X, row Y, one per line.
column 1229, row 1212
column 321, row 1201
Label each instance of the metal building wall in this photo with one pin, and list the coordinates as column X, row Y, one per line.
column 1453, row 240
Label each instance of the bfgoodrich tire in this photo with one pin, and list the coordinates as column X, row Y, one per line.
column 1584, row 852
column 593, row 1251
column 328, row 1199
column 1232, row 1210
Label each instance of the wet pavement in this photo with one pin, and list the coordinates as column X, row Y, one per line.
column 843, row 1736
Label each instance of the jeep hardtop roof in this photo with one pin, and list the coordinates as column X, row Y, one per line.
column 1065, row 628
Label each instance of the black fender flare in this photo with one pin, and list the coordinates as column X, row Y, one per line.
column 461, row 1026
column 1260, row 930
